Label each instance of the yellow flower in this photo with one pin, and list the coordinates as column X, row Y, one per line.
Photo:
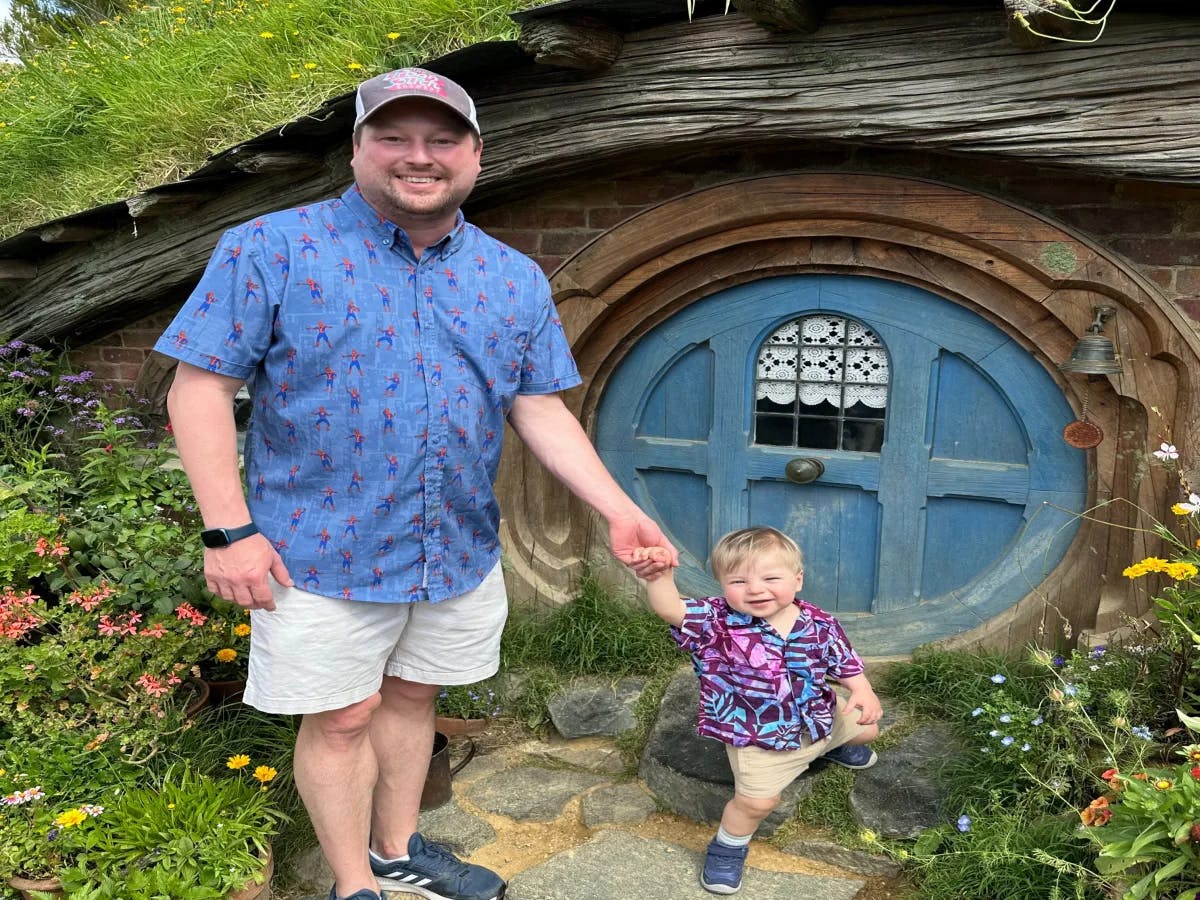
column 1163, row 784
column 241, row 630
column 1181, row 571
column 238, row 761
column 310, row 65
column 226, row 654
column 294, row 75
column 177, row 9
column 170, row 806
column 1180, row 510
column 266, row 34
column 392, row 35
column 70, row 818
column 265, row 773
column 354, row 65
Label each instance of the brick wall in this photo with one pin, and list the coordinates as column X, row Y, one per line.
column 1154, row 226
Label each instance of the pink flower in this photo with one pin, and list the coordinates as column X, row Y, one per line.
column 107, row 627
column 190, row 613
column 129, row 626
column 152, row 685
column 155, row 631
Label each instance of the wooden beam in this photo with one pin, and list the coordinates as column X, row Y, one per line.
column 64, row 233
column 802, row 16
column 580, row 42
column 271, row 162
column 17, row 270
column 150, row 206
column 1036, row 24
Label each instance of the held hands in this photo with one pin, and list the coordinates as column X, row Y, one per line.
column 239, row 572
column 633, row 533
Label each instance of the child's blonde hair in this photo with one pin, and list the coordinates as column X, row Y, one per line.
column 738, row 546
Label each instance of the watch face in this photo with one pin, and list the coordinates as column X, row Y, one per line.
column 214, row 537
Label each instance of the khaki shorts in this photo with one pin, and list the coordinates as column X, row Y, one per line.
column 762, row 773
column 313, row 653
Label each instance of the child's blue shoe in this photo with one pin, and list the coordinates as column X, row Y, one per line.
column 853, row 756
column 357, row 895
column 723, row 868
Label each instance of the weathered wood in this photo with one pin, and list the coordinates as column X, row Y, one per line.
column 16, row 270
column 580, row 42
column 62, row 233
column 154, row 205
column 803, row 16
column 1034, row 24
column 270, row 163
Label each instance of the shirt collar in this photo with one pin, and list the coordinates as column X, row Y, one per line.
column 741, row 619
column 388, row 231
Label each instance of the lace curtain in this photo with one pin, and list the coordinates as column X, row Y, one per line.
column 816, row 356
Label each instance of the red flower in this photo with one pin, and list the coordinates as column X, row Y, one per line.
column 1196, row 771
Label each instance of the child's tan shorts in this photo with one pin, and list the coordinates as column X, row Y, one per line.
column 762, row 773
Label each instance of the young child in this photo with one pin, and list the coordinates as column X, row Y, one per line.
column 762, row 657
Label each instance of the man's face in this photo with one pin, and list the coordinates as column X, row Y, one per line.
column 416, row 162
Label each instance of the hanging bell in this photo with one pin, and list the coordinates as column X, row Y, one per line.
column 1094, row 354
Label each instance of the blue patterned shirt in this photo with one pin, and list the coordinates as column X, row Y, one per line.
column 756, row 687
column 380, row 385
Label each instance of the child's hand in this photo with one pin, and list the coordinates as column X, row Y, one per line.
column 864, row 699
column 659, row 559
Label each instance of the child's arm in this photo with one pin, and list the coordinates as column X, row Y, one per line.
column 661, row 592
column 862, row 697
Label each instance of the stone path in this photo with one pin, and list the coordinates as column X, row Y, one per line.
column 561, row 819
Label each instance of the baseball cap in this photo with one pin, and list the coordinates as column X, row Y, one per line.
column 375, row 93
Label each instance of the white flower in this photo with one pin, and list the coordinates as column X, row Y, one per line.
column 1192, row 506
column 1166, row 451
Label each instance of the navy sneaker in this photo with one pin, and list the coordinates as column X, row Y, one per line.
column 723, row 868
column 853, row 756
column 432, row 871
column 364, row 894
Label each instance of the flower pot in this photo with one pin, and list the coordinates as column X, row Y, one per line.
column 26, row 886
column 200, row 701
column 451, row 725
column 437, row 788
column 225, row 691
column 253, row 890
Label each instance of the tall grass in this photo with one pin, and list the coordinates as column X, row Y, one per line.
column 144, row 97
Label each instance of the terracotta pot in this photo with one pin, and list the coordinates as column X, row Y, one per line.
column 26, row 886
column 201, row 699
column 449, row 725
column 252, row 890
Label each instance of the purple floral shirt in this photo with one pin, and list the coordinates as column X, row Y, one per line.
column 756, row 687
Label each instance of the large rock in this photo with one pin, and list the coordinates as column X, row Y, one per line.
column 901, row 796
column 689, row 774
column 530, row 793
column 591, row 706
column 616, row 804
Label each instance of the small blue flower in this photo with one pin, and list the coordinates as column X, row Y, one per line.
column 1098, row 652
column 998, row 679
column 976, row 712
column 1006, row 718
column 1007, row 740
column 1070, row 690
column 1026, row 747
column 993, row 733
column 964, row 823
column 1038, row 721
column 1058, row 661
column 1141, row 731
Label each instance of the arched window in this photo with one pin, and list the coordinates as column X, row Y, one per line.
column 821, row 382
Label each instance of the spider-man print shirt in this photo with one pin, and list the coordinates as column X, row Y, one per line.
column 380, row 385
column 757, row 687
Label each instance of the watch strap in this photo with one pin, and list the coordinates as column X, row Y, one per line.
column 223, row 537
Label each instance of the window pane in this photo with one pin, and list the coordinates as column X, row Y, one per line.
column 774, row 430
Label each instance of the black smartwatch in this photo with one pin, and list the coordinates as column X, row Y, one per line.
column 223, row 537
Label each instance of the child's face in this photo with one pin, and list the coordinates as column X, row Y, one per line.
column 762, row 586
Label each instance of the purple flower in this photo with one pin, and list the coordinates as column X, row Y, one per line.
column 1006, row 718
column 1026, row 747
column 1007, row 740
column 964, row 823
column 998, row 679
column 1038, row 721
column 18, row 374
column 1098, row 652
column 1058, row 661
column 1070, row 690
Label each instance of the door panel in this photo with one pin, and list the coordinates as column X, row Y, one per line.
column 962, row 508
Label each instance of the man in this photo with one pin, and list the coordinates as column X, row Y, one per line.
column 384, row 344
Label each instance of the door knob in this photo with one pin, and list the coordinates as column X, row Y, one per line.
column 802, row 470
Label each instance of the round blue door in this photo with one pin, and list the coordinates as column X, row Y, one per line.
column 945, row 492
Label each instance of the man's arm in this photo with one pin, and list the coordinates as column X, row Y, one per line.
column 200, row 404
column 661, row 592
column 559, row 442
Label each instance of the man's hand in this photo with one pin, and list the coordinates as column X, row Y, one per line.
column 239, row 572
column 627, row 534
column 658, row 555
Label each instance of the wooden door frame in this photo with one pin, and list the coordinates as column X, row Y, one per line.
column 1031, row 277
